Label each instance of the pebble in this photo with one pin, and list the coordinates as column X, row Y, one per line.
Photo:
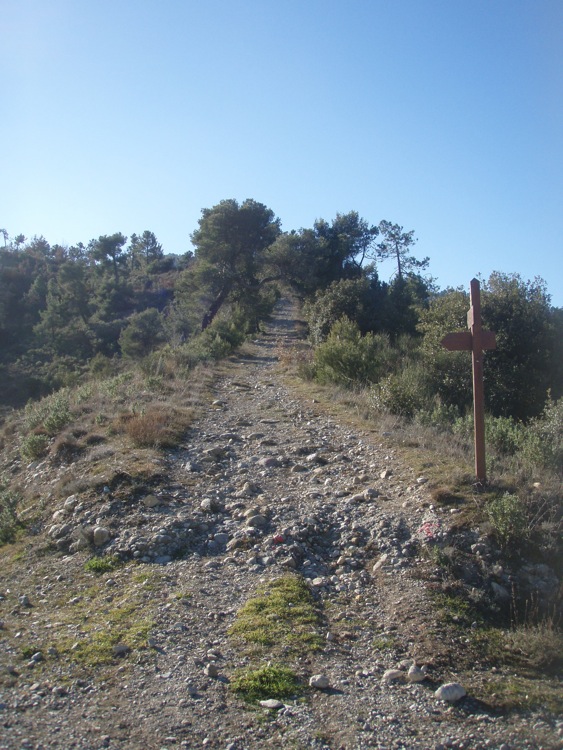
column 319, row 681
column 393, row 675
column 272, row 703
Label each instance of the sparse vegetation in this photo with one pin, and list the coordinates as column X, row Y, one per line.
column 508, row 517
column 101, row 565
column 10, row 524
column 283, row 615
column 270, row 681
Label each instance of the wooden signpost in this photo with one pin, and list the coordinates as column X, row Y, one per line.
column 476, row 340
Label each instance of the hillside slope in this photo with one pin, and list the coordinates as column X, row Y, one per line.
column 180, row 596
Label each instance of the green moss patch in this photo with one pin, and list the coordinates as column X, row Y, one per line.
column 283, row 615
column 266, row 682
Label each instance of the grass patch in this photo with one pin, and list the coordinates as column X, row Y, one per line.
column 536, row 649
column 266, row 682
column 515, row 692
column 282, row 615
column 456, row 610
column 157, row 428
column 101, row 565
column 120, row 625
column 384, row 643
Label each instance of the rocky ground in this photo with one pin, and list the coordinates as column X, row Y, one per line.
column 265, row 484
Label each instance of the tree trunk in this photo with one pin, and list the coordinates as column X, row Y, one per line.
column 214, row 308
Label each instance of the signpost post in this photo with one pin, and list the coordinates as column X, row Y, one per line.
column 476, row 340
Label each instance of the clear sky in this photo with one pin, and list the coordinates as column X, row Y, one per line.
column 443, row 116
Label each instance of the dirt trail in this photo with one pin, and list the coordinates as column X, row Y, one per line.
column 265, row 484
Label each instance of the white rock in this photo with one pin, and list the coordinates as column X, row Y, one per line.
column 70, row 502
column 319, row 681
column 272, row 703
column 101, row 535
column 393, row 675
column 416, row 674
column 450, row 692
column 381, row 562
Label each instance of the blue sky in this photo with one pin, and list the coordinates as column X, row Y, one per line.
column 444, row 116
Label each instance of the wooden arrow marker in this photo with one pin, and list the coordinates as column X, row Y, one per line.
column 476, row 340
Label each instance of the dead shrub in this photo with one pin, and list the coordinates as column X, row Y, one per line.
column 66, row 449
column 157, row 429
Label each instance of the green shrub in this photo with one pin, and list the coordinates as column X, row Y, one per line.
column 216, row 342
column 509, row 519
column 347, row 358
column 101, row 565
column 404, row 393
column 438, row 415
column 10, row 525
column 542, row 441
column 34, row 446
column 53, row 413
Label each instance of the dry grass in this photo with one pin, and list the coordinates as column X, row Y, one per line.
column 157, row 428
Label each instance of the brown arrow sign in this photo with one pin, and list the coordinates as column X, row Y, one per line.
column 463, row 341
column 457, row 342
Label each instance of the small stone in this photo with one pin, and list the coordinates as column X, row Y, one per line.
column 257, row 522
column 381, row 562
column 24, row 601
column 120, row 649
column 450, row 692
column 211, row 670
column 210, row 505
column 416, row 674
column 150, row 501
column 272, row 703
column 269, row 462
column 191, row 689
column 319, row 681
column 393, row 675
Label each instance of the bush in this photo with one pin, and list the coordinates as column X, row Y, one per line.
column 404, row 393
column 538, row 444
column 216, row 342
column 509, row 519
column 438, row 415
column 347, row 358
column 9, row 522
column 354, row 298
column 53, row 413
column 542, row 441
column 34, row 446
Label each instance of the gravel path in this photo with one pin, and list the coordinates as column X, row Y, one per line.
column 265, row 484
